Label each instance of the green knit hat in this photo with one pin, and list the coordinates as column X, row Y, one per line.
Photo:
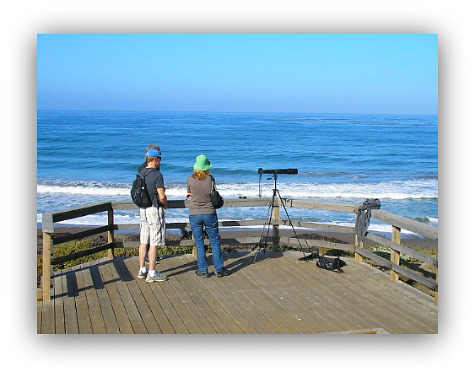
column 202, row 163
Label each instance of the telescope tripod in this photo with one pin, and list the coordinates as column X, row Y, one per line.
column 270, row 212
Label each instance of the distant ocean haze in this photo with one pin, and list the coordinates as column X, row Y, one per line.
column 340, row 157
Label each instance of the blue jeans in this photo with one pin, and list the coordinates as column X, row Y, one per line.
column 210, row 221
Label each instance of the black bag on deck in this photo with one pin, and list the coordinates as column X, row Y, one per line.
column 329, row 263
column 216, row 199
column 139, row 191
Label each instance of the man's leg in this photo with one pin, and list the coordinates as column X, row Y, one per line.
column 142, row 254
column 144, row 237
column 152, row 257
column 156, row 217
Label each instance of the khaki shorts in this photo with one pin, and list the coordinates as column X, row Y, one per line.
column 152, row 226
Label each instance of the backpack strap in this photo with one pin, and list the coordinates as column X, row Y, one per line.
column 146, row 188
column 213, row 184
column 148, row 171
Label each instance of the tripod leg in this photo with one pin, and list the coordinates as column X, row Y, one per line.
column 267, row 223
column 290, row 221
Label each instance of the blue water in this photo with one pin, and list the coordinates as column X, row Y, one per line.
column 87, row 157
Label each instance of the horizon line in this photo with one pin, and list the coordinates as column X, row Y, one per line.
column 230, row 111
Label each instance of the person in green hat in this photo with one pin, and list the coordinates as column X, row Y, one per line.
column 202, row 213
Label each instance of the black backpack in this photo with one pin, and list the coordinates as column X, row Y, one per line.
column 139, row 191
column 330, row 262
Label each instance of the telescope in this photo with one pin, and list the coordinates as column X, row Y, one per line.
column 277, row 171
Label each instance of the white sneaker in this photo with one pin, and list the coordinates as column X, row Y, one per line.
column 142, row 274
column 156, row 278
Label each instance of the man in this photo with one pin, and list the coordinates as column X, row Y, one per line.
column 141, row 167
column 144, row 164
column 152, row 219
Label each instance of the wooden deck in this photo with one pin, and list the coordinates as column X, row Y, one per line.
column 276, row 295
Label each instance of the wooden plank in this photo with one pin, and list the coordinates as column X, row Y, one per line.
column 156, row 308
column 47, row 317
column 124, row 205
column 202, row 314
column 365, row 331
column 369, row 307
column 59, row 304
column 243, row 293
column 233, row 310
column 109, row 280
column 408, row 273
column 395, row 256
column 97, row 320
column 371, row 303
column 277, row 294
column 312, row 290
column 190, row 242
column 67, row 214
column 215, row 312
column 110, row 233
column 70, row 314
column 84, row 315
column 293, row 310
column 47, row 253
column 80, row 235
column 128, row 227
column 39, row 310
column 184, row 204
column 142, row 306
column 254, row 222
column 182, row 225
column 321, row 205
column 251, row 202
column 379, row 281
column 127, row 300
column 400, row 248
column 433, row 285
column 181, row 310
column 233, row 293
column 394, row 300
column 162, row 295
column 359, row 304
column 110, row 322
column 271, row 305
column 405, row 223
column 79, row 254
column 47, row 224
column 316, row 243
column 320, row 226
column 300, row 296
column 416, row 297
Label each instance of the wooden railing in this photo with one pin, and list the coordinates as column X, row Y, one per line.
column 277, row 237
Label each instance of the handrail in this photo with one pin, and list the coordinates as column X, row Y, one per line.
column 397, row 222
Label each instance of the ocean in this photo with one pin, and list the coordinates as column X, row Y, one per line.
column 87, row 157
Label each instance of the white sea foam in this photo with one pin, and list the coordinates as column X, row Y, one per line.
column 396, row 190
column 54, row 197
column 82, row 190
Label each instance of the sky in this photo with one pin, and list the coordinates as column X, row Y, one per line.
column 303, row 73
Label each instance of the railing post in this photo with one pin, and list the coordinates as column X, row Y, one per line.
column 110, row 233
column 47, row 251
column 275, row 226
column 395, row 256
column 358, row 257
column 436, row 296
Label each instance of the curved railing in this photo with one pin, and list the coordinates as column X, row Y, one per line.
column 277, row 237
